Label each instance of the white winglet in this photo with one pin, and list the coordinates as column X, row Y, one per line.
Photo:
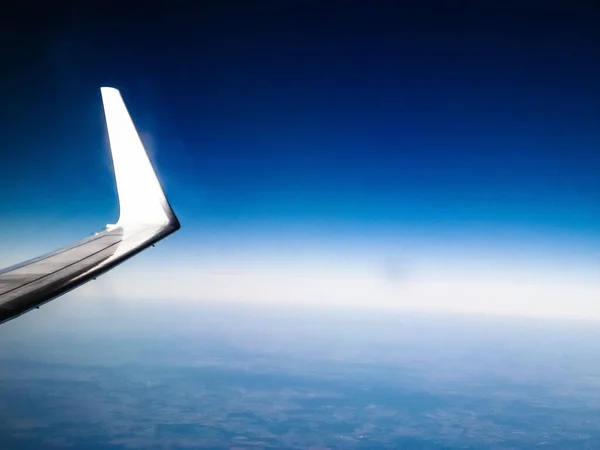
column 141, row 198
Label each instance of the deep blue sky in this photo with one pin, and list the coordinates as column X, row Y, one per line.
column 353, row 116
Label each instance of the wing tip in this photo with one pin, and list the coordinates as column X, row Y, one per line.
column 142, row 199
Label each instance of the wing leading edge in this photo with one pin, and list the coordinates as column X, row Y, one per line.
column 145, row 218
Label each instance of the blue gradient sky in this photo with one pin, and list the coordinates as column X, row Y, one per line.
column 417, row 144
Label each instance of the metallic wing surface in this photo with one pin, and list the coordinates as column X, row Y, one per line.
column 145, row 217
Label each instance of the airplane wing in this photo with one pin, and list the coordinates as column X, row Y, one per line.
column 145, row 218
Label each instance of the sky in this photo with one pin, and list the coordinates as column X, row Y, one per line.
column 438, row 156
